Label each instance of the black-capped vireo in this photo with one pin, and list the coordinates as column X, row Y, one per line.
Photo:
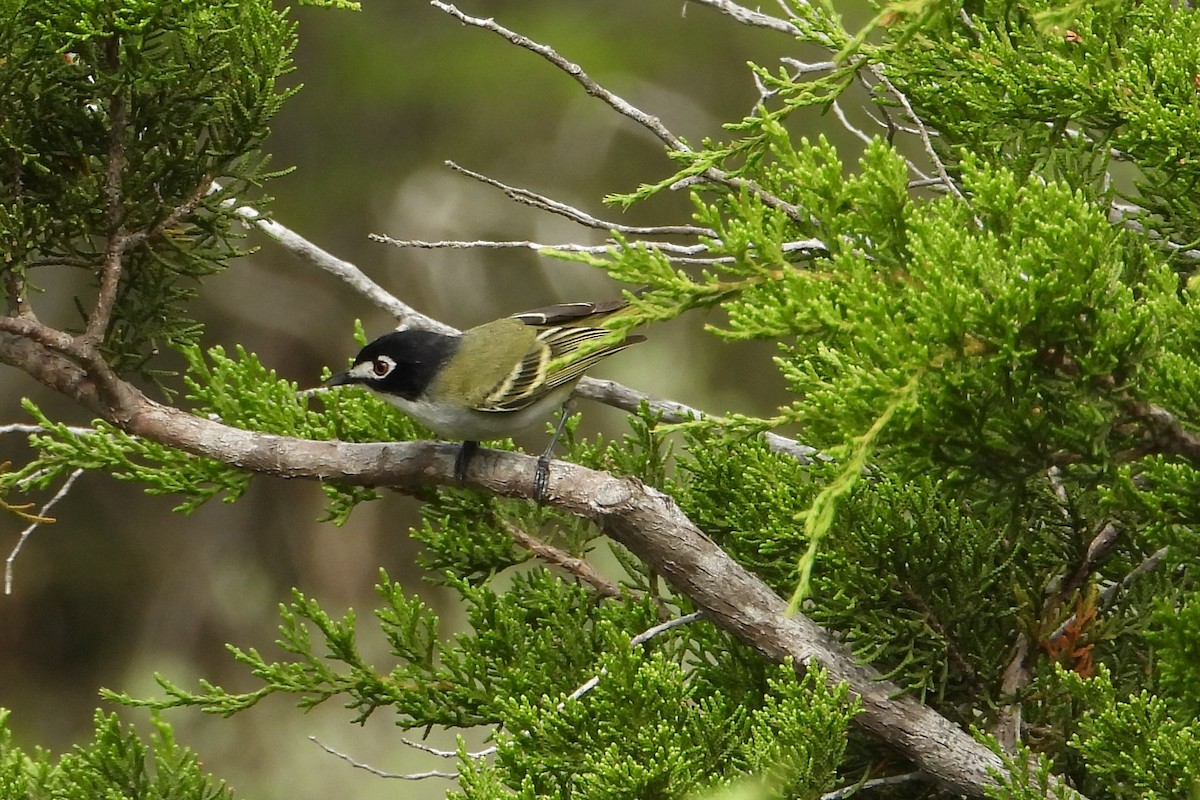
column 491, row 381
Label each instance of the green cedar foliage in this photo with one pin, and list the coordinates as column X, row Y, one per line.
column 658, row 722
column 1142, row 745
column 173, row 94
column 115, row 764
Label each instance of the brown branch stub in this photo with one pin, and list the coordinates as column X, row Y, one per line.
column 578, row 567
column 17, row 295
column 1162, row 432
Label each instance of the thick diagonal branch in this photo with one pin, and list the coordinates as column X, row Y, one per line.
column 644, row 520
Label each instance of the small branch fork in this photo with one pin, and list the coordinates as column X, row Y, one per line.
column 25, row 534
column 626, row 109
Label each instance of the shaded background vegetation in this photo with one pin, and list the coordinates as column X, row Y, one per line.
column 120, row 587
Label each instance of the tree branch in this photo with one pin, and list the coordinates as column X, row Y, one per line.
column 11, row 561
column 406, row 776
column 611, row 393
column 1163, row 433
column 642, row 519
column 578, row 567
column 553, row 206
column 624, row 108
column 1109, row 595
column 339, row 268
column 676, row 253
column 748, row 17
column 110, row 271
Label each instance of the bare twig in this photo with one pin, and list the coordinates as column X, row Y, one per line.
column 636, row 641
column 486, row 244
column 424, row 748
column 748, row 17
column 926, row 137
column 892, row 127
column 874, row 783
column 10, row 562
column 578, row 216
column 18, row 427
column 677, row 253
column 847, row 124
column 614, row 394
column 404, row 776
column 968, row 22
column 340, row 268
column 578, row 567
column 623, row 107
column 922, row 183
column 619, row 104
column 806, row 67
column 650, row 633
column 1109, row 595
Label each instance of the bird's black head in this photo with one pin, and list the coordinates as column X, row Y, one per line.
column 401, row 363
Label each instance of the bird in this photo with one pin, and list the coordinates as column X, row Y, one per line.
column 494, row 380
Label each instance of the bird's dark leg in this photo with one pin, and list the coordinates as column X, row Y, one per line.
column 541, row 477
column 463, row 459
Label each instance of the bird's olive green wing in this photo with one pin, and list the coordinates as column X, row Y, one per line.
column 485, row 360
column 531, row 354
column 549, row 365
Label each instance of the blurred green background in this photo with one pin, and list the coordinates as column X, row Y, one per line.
column 121, row 587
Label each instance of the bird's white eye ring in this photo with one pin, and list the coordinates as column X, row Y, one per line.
column 382, row 365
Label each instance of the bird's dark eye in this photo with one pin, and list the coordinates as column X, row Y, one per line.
column 381, row 367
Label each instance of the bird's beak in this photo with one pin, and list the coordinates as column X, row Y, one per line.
column 341, row 379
